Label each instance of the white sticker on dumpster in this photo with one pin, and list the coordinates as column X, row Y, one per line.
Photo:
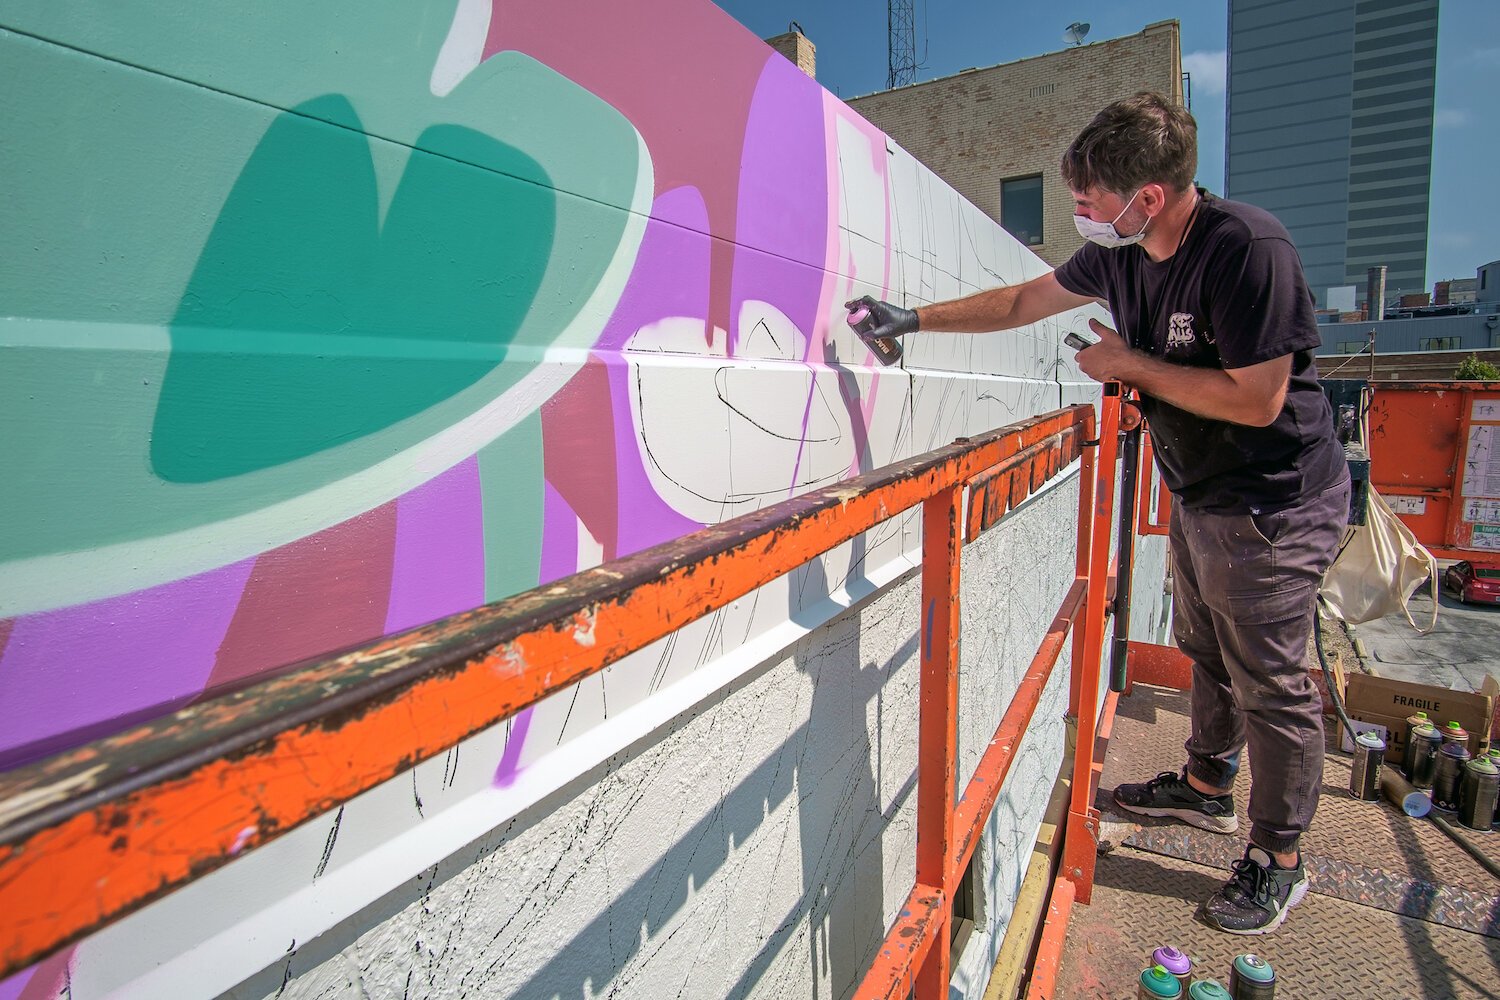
column 1482, row 511
column 1409, row 505
column 1485, row 409
column 1481, row 471
column 1486, row 536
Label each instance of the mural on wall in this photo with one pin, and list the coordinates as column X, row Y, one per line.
column 333, row 320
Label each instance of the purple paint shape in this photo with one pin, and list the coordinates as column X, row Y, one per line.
column 782, row 227
column 559, row 536
column 439, row 553
column 515, row 742
column 75, row 670
column 11, row 987
column 670, row 279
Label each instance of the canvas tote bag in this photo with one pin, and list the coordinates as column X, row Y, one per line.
column 1379, row 567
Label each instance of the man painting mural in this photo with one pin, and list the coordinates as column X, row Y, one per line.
column 1216, row 332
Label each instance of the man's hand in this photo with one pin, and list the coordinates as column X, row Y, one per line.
column 890, row 321
column 1106, row 360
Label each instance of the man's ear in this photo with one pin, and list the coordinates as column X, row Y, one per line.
column 1153, row 198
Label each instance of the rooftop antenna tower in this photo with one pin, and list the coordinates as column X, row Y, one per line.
column 1075, row 33
column 901, row 63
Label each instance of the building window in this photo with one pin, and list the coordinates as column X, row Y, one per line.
column 1021, row 208
column 1351, row 346
column 1438, row 344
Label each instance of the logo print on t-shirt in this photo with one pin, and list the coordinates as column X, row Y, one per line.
column 1180, row 331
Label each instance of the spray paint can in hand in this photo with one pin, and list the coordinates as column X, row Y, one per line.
column 1450, row 769
column 1364, row 778
column 1208, row 989
column 1477, row 793
column 1454, row 733
column 1425, row 743
column 1252, row 978
column 862, row 322
column 1175, row 962
column 1156, row 983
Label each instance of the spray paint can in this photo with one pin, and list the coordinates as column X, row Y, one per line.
column 1413, row 723
column 1208, row 989
column 1445, row 783
column 1425, row 741
column 1175, row 962
column 862, row 322
column 1364, row 778
column 1477, row 793
column 1454, row 733
column 1156, row 983
column 1252, row 978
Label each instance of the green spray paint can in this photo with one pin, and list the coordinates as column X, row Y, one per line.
column 1425, row 743
column 1208, row 989
column 1156, row 983
column 1477, row 792
column 1252, row 978
column 1413, row 723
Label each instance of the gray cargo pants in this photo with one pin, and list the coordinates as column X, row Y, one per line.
column 1243, row 591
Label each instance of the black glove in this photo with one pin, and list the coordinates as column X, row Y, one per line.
column 890, row 321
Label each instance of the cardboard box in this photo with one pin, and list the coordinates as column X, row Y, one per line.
column 1385, row 702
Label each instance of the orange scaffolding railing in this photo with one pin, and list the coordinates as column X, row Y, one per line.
column 91, row 834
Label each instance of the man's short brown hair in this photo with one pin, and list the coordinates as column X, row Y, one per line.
column 1140, row 140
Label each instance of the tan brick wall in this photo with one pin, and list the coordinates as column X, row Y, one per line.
column 795, row 46
column 984, row 126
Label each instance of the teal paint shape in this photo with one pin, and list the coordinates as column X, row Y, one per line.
column 280, row 348
column 511, row 485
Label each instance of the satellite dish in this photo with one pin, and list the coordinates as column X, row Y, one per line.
column 1075, row 33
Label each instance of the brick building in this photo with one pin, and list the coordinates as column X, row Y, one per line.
column 997, row 134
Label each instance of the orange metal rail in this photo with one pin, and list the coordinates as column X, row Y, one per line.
column 94, row 833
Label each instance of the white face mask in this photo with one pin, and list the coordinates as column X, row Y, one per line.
column 1104, row 233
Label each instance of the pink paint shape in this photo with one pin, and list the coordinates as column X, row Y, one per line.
column 439, row 555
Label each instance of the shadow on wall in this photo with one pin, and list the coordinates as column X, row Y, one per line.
column 828, row 761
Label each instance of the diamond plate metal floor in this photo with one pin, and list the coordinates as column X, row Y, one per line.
column 1396, row 909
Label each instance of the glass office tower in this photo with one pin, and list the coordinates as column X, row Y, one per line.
column 1329, row 126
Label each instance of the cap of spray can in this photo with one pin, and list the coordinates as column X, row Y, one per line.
column 887, row 349
column 1252, row 978
column 1175, row 962
column 1156, row 983
column 1208, row 989
column 1454, row 733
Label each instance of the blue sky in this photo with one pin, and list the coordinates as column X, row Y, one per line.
column 952, row 35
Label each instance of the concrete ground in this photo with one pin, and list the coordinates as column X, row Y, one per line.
column 1458, row 653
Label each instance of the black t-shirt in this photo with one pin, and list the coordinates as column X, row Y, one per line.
column 1231, row 297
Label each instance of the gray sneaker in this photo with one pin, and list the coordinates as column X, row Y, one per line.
column 1257, row 896
column 1169, row 794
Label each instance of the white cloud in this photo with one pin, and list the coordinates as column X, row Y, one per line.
column 1450, row 118
column 1207, row 69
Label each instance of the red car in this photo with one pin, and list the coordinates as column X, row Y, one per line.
column 1477, row 583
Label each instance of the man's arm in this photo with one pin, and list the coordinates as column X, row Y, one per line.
column 995, row 309
column 1002, row 308
column 1252, row 395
